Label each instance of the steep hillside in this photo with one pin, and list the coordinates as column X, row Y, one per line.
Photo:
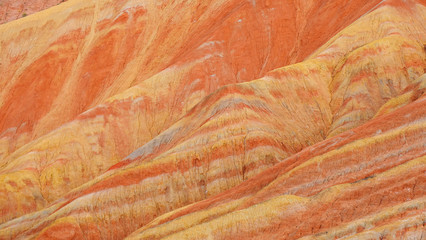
column 83, row 53
column 223, row 120
column 67, row 59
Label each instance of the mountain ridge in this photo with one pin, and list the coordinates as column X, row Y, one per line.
column 178, row 140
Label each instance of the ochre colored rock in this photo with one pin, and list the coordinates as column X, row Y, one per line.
column 214, row 119
column 95, row 51
column 83, row 63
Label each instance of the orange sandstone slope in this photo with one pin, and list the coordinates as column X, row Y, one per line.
column 13, row 9
column 331, row 147
column 83, row 52
column 86, row 83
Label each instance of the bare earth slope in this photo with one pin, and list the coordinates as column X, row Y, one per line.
column 70, row 58
column 131, row 119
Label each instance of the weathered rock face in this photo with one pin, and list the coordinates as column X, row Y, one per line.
column 14, row 9
column 83, row 57
column 132, row 119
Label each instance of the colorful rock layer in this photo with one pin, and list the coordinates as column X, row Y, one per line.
column 214, row 120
